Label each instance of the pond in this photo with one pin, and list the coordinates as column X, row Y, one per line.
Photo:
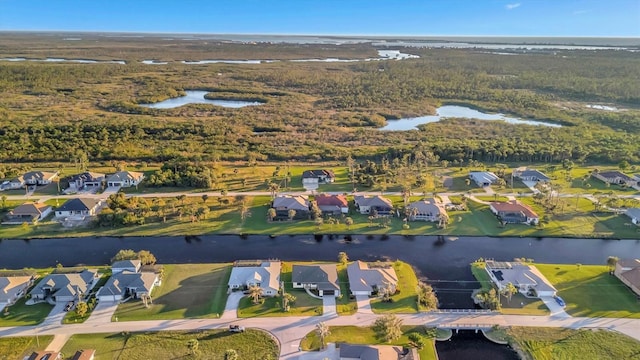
column 197, row 97
column 467, row 344
column 455, row 111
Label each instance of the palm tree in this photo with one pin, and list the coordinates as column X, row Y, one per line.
column 292, row 214
column 273, row 188
column 271, row 214
column 348, row 221
column 322, row 330
column 612, row 261
column 509, row 290
column 286, row 300
column 255, row 293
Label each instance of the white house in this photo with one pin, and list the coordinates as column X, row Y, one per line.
column 264, row 274
column 78, row 207
column 39, row 177
column 633, row 214
column 85, row 180
column 12, row 288
column 125, row 179
column 526, row 278
column 366, row 280
column 615, row 177
column 311, row 179
column 127, row 284
column 525, row 174
column 483, row 178
column 15, row 183
column 320, row 277
column 65, row 287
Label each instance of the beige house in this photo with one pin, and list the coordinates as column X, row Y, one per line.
column 427, row 210
column 628, row 271
column 366, row 280
column 30, row 212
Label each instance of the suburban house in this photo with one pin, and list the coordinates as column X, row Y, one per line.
column 332, row 204
column 377, row 352
column 15, row 183
column 321, row 277
column 628, row 271
column 126, row 265
column 65, row 287
column 264, row 274
column 29, row 212
column 526, row 278
column 125, row 179
column 79, row 208
column 128, row 281
column 369, row 204
column 85, row 180
column 514, row 212
column 634, row 215
column 284, row 203
column 483, row 178
column 39, row 177
column 45, row 355
column 12, row 288
column 85, row 354
column 367, row 280
column 427, row 210
column 615, row 177
column 525, row 174
column 311, row 179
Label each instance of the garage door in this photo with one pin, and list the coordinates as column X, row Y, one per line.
column 328, row 292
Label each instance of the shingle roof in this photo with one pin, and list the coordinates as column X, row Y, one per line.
column 633, row 213
column 125, row 175
column 39, row 175
column 79, row 204
column 632, row 276
column 291, row 202
column 514, row 206
column 363, row 278
column 376, row 200
column 120, row 282
column 11, row 286
column 268, row 273
column 532, row 172
column 325, row 275
column 629, row 263
column 331, row 200
column 428, row 206
column 87, row 177
column 314, row 174
column 614, row 174
column 30, row 208
column 67, row 284
column 126, row 264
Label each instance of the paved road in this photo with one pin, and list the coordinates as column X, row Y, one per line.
column 290, row 330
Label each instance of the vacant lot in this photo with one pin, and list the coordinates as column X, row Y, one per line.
column 556, row 343
column 250, row 345
column 591, row 291
column 187, row 291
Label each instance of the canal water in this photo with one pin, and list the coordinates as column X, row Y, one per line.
column 469, row 345
column 442, row 261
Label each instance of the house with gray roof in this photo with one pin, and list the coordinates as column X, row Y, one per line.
column 14, row 184
column 127, row 284
column 29, row 212
column 634, row 215
column 321, row 277
column 125, row 179
column 377, row 352
column 284, row 203
column 264, row 274
column 65, row 287
column 526, row 278
column 427, row 210
column 85, row 180
column 12, row 288
column 615, row 177
column 373, row 204
column 483, row 178
column 126, row 265
column 628, row 271
column 366, row 279
column 531, row 175
column 39, row 177
column 79, row 207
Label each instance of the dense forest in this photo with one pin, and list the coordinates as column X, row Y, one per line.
column 312, row 110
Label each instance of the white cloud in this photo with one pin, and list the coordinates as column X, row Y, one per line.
column 512, row 6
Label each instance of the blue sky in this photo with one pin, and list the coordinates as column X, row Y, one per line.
column 337, row 17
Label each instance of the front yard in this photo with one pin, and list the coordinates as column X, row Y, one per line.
column 405, row 300
column 187, row 291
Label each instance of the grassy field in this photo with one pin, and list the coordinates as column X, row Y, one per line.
column 304, row 305
column 20, row 314
column 187, row 291
column 250, row 345
column 518, row 305
column 12, row 348
column 405, row 300
column 556, row 343
column 366, row 335
column 589, row 290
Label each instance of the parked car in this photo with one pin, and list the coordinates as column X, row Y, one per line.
column 69, row 306
column 236, row 328
column 560, row 301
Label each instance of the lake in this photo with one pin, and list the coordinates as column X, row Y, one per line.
column 455, row 111
column 197, row 97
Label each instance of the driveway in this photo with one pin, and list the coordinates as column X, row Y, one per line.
column 329, row 353
column 231, row 308
column 56, row 315
column 364, row 304
column 329, row 306
column 103, row 312
column 555, row 309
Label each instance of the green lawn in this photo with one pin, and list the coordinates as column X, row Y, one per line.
column 12, row 348
column 20, row 314
column 557, row 343
column 212, row 344
column 366, row 335
column 187, row 291
column 405, row 300
column 589, row 290
column 344, row 304
column 304, row 305
column 518, row 304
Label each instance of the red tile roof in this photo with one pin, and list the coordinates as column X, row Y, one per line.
column 514, row 206
column 335, row 200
